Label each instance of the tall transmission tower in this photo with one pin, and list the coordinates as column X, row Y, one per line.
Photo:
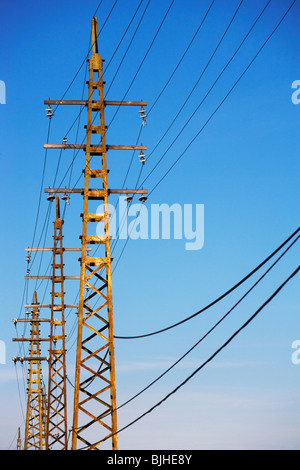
column 95, row 407
column 56, row 435
column 19, row 444
column 35, row 412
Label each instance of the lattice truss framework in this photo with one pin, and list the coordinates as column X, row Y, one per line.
column 57, row 437
column 95, row 388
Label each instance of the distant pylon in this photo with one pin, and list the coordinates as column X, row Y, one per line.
column 56, row 434
column 34, row 426
column 19, row 440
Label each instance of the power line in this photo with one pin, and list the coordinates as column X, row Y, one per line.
column 156, row 165
column 222, row 102
column 135, row 32
column 224, row 345
column 145, row 56
column 124, row 34
column 219, row 298
column 83, row 62
column 182, row 57
column 42, row 183
column 214, row 326
column 209, row 91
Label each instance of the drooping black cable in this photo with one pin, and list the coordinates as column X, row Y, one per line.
column 219, row 298
column 214, row 326
column 224, row 345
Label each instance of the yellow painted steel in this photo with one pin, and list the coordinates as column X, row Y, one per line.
column 56, row 434
column 94, row 413
column 35, row 419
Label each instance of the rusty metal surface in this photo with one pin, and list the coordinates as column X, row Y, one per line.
column 56, row 433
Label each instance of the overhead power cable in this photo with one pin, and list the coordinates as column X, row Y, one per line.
column 215, row 325
column 111, row 82
column 144, row 58
column 219, row 106
column 181, row 59
column 84, row 60
column 49, row 124
column 224, row 345
column 196, row 84
column 42, row 183
column 161, row 158
column 219, row 298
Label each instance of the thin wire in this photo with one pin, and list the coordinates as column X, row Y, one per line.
column 214, row 326
column 141, row 185
column 83, row 62
column 104, row 99
column 144, row 58
column 182, row 57
column 224, row 345
column 219, row 298
column 124, row 34
column 209, row 91
column 42, row 183
column 222, row 102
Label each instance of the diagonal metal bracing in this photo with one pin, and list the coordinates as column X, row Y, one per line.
column 94, row 406
column 56, row 436
column 95, row 386
column 35, row 414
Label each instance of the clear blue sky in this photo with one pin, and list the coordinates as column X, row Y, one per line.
column 244, row 168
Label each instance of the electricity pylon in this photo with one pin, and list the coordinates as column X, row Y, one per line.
column 56, row 435
column 95, row 352
column 35, row 412
column 19, row 445
column 95, row 408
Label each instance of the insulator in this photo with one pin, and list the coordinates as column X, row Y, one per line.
column 143, row 198
column 64, row 141
column 66, row 198
column 49, row 112
column 128, row 198
column 143, row 115
column 50, row 198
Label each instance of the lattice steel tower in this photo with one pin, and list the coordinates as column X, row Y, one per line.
column 94, row 408
column 35, row 414
column 57, row 438
column 95, row 346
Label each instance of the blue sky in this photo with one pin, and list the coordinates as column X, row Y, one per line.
column 244, row 168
